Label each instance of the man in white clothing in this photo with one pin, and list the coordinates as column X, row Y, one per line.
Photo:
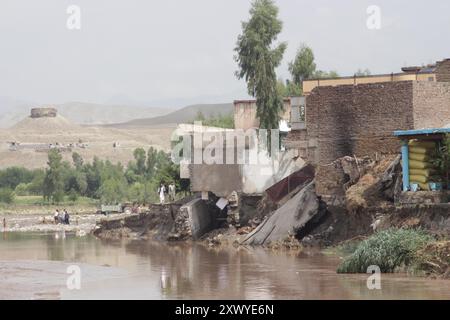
column 162, row 193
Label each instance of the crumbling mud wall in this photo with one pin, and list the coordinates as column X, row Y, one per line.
column 358, row 120
column 443, row 70
column 334, row 179
column 432, row 217
column 43, row 113
column 156, row 224
column 431, row 102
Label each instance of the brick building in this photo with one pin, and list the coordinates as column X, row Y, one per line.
column 359, row 119
column 245, row 113
column 437, row 72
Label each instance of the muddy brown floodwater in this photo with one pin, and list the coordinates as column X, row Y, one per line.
column 34, row 266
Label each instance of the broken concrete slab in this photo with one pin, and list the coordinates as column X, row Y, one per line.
column 288, row 219
column 195, row 219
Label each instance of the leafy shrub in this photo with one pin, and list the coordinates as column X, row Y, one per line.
column 22, row 189
column 73, row 195
column 6, row 195
column 388, row 250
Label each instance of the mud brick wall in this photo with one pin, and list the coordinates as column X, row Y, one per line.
column 443, row 71
column 431, row 104
column 43, row 113
column 358, row 120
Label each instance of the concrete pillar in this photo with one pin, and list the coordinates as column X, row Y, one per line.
column 405, row 165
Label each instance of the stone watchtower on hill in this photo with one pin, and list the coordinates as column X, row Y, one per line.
column 43, row 113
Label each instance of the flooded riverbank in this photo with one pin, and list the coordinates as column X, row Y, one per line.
column 79, row 223
column 34, row 266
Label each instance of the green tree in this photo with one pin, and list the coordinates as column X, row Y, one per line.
column 130, row 173
column 53, row 182
column 303, row 66
column 93, row 178
column 112, row 191
column 289, row 89
column 200, row 116
column 257, row 60
column 362, row 73
column 441, row 159
column 73, row 195
column 11, row 177
column 22, row 189
column 140, row 157
column 320, row 74
column 76, row 180
column 138, row 192
column 35, row 187
column 152, row 158
column 77, row 161
column 7, row 195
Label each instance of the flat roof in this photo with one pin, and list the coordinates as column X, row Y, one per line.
column 418, row 132
column 372, row 76
column 285, row 99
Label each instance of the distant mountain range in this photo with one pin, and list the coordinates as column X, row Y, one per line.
column 184, row 115
column 82, row 113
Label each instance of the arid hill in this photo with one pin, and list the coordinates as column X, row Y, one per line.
column 27, row 142
column 184, row 115
column 45, row 125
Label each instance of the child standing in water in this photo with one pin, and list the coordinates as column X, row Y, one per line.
column 56, row 216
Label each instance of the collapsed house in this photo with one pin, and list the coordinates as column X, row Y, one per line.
column 236, row 165
column 344, row 135
column 334, row 172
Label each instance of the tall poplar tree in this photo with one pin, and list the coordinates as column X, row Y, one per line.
column 257, row 58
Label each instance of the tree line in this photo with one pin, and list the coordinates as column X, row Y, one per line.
column 100, row 179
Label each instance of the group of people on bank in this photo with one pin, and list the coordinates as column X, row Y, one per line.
column 163, row 190
column 62, row 217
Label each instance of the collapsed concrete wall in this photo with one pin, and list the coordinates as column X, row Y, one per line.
column 194, row 220
column 287, row 220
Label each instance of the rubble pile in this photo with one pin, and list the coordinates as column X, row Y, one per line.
column 332, row 180
column 434, row 259
column 182, row 227
column 367, row 191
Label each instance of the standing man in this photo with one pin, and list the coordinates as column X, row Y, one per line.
column 66, row 217
column 172, row 191
column 162, row 193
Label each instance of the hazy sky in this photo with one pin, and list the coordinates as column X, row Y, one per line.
column 181, row 51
